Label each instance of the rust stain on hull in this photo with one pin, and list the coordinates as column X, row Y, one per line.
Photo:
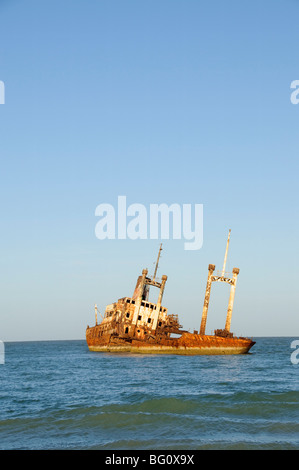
column 188, row 344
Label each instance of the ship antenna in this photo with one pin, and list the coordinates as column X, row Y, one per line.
column 226, row 251
column 157, row 263
column 96, row 313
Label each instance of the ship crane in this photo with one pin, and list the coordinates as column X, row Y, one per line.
column 228, row 278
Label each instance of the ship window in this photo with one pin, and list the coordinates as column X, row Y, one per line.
column 147, row 305
column 149, row 320
column 133, row 301
column 128, row 301
column 128, row 314
column 139, row 317
column 160, row 323
column 138, row 331
column 126, row 330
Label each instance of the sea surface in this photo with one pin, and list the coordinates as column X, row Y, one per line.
column 59, row 395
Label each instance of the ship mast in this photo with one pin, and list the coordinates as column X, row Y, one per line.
column 226, row 251
column 96, row 313
column 157, row 263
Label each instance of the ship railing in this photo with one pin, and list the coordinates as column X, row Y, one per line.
column 225, row 274
column 157, row 279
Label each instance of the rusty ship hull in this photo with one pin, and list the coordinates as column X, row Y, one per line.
column 188, row 344
column 136, row 325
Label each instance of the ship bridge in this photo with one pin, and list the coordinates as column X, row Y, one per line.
column 141, row 295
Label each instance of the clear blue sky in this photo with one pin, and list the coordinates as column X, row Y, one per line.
column 162, row 101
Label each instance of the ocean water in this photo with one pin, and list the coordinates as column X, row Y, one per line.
column 59, row 395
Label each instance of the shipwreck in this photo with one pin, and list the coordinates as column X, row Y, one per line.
column 136, row 325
